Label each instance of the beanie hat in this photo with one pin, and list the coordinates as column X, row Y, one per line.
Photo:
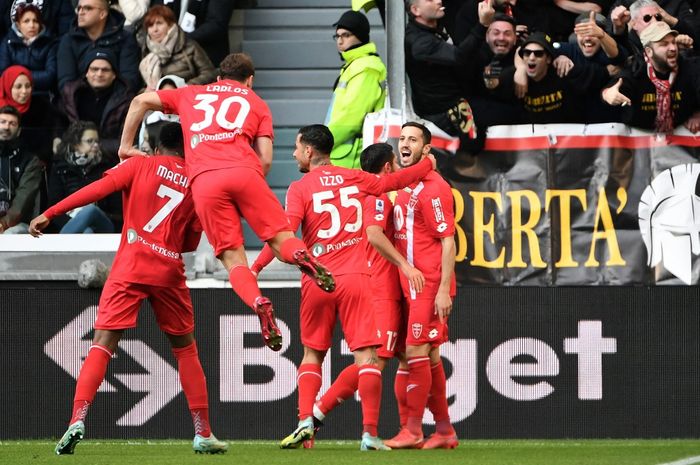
column 356, row 23
column 98, row 54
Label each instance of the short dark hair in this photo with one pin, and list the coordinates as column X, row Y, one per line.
column 408, row 4
column 427, row 137
column 10, row 110
column 317, row 136
column 374, row 157
column 237, row 66
column 171, row 140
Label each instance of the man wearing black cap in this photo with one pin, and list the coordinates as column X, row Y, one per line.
column 101, row 97
column 549, row 97
column 360, row 88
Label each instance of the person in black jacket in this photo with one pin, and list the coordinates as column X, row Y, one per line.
column 21, row 174
column 433, row 63
column 79, row 162
column 660, row 91
column 98, row 27
column 30, row 44
column 206, row 22
column 57, row 14
column 101, row 97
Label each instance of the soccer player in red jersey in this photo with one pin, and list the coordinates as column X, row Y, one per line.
column 327, row 203
column 228, row 151
column 424, row 222
column 159, row 225
column 387, row 298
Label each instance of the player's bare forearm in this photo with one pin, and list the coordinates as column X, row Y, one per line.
column 386, row 249
column 406, row 176
column 447, row 263
column 137, row 109
column 263, row 147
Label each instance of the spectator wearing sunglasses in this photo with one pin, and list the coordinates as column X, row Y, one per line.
column 663, row 90
column 551, row 98
column 629, row 19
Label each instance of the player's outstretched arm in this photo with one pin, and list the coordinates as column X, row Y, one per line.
column 91, row 193
column 137, row 109
column 404, row 177
column 38, row 224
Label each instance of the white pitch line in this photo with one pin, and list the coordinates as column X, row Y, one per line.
column 688, row 461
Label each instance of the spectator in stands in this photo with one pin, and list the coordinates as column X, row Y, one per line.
column 133, row 11
column 360, row 88
column 566, row 12
column 206, row 22
column 101, row 96
column 432, row 63
column 595, row 47
column 154, row 121
column 29, row 43
column 663, row 90
column 57, row 15
column 79, row 162
column 529, row 16
column 98, row 27
column 21, row 174
column 492, row 57
column 637, row 15
column 166, row 49
column 41, row 122
column 551, row 98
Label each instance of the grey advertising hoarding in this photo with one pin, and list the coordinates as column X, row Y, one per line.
column 522, row 362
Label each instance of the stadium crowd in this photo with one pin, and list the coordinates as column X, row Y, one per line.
column 109, row 82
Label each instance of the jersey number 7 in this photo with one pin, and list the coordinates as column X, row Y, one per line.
column 174, row 199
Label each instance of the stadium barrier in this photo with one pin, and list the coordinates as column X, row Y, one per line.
column 522, row 362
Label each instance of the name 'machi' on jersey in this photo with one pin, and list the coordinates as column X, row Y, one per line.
column 219, row 122
column 159, row 220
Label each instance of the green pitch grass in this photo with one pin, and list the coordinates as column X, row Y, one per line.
column 521, row 452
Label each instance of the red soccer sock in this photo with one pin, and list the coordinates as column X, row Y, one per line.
column 194, row 384
column 309, row 383
column 244, row 284
column 342, row 388
column 437, row 401
column 288, row 248
column 400, row 382
column 419, row 381
column 369, row 385
column 92, row 373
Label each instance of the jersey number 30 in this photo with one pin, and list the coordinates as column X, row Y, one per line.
column 206, row 104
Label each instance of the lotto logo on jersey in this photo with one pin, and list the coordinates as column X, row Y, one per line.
column 437, row 210
column 379, row 210
column 317, row 249
column 433, row 333
column 416, row 330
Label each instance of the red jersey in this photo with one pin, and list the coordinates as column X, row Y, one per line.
column 159, row 218
column 423, row 214
column 219, row 122
column 328, row 203
column 378, row 211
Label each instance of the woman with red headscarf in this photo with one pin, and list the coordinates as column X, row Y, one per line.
column 40, row 122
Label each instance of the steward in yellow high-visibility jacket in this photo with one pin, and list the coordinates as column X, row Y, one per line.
column 360, row 88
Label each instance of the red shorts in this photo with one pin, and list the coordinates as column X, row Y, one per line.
column 423, row 325
column 351, row 302
column 120, row 303
column 390, row 317
column 222, row 197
